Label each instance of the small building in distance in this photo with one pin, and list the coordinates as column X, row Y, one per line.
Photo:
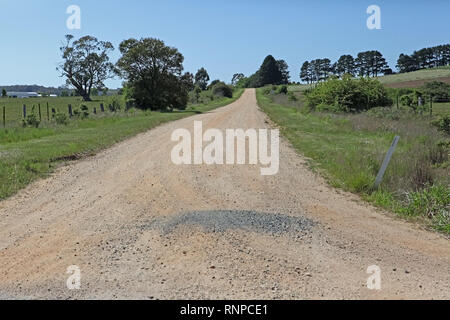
column 23, row 94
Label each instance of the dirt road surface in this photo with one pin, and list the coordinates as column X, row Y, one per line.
column 140, row 227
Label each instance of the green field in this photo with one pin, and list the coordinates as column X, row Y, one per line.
column 429, row 74
column 29, row 153
column 348, row 150
column 14, row 106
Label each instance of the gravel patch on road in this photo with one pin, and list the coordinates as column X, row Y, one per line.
column 222, row 221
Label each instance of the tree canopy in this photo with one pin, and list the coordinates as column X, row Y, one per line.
column 154, row 74
column 86, row 64
column 202, row 78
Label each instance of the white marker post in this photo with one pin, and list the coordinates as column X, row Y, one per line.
column 386, row 162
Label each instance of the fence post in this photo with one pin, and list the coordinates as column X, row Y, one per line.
column 4, row 117
column 431, row 105
column 70, row 111
column 102, row 108
column 53, row 112
column 40, row 115
column 24, row 111
column 95, row 110
column 48, row 113
column 386, row 162
column 397, row 101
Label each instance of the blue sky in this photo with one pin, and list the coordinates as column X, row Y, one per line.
column 225, row 37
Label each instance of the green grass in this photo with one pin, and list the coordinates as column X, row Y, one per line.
column 27, row 154
column 427, row 74
column 348, row 151
column 441, row 109
column 14, row 106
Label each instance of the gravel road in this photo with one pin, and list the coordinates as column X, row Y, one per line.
column 140, row 227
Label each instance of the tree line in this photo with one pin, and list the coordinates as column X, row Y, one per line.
column 153, row 71
column 438, row 56
column 366, row 64
column 372, row 64
column 272, row 71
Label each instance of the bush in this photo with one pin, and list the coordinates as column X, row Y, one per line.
column 61, row 118
column 443, row 124
column 283, row 90
column 114, row 103
column 31, row 121
column 348, row 95
column 440, row 91
column 82, row 113
column 221, row 89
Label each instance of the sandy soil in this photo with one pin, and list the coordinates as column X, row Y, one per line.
column 140, row 227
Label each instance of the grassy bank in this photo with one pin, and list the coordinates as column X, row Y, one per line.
column 410, row 79
column 348, row 150
column 29, row 153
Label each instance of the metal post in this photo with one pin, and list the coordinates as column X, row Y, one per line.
column 386, row 162
column 40, row 115
column 24, row 111
column 431, row 105
column 70, row 111
column 48, row 113
column 4, row 117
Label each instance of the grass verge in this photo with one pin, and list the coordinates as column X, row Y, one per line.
column 349, row 149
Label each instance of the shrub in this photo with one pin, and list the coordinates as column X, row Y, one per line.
column 348, row 95
column 61, row 118
column 440, row 91
column 443, row 124
column 31, row 121
column 82, row 113
column 114, row 103
column 283, row 89
column 221, row 89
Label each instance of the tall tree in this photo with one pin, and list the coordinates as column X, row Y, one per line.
column 269, row 73
column 86, row 64
column 4, row 93
column 236, row 78
column 406, row 63
column 188, row 81
column 305, row 72
column 370, row 63
column 202, row 78
column 154, row 72
column 345, row 64
column 284, row 69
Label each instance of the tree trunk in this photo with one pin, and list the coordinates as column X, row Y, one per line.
column 86, row 97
